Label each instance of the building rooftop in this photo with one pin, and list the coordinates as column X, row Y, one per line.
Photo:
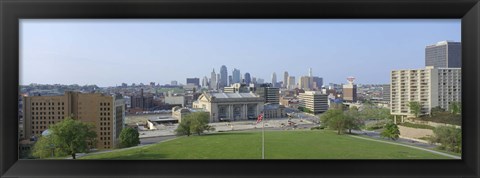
column 234, row 95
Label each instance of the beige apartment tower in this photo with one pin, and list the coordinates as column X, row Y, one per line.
column 430, row 87
column 106, row 112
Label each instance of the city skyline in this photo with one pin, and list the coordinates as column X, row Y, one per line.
column 173, row 50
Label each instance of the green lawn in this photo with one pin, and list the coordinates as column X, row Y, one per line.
column 316, row 144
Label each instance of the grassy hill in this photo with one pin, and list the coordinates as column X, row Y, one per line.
column 321, row 144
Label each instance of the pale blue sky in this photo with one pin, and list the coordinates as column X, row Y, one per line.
column 109, row 52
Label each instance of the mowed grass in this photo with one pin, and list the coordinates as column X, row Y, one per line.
column 278, row 145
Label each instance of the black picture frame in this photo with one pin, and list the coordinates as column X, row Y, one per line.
column 13, row 10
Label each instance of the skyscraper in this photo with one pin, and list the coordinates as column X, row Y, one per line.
column 291, row 82
column 444, row 54
column 236, row 76
column 317, row 82
column 304, row 83
column 213, row 80
column 285, row 79
column 205, row 82
column 230, row 80
column 223, row 76
column 274, row 79
column 247, row 78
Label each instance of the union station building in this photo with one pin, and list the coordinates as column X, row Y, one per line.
column 230, row 106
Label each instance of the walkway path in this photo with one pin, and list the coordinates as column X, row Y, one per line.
column 424, row 149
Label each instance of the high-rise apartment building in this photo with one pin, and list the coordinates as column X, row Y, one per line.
column 106, row 112
column 315, row 101
column 444, row 54
column 430, row 87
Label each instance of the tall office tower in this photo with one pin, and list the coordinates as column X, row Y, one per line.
column 285, row 79
column 106, row 112
column 304, row 83
column 444, row 54
column 254, row 80
column 236, row 76
column 205, row 82
column 194, row 81
column 223, row 76
column 213, row 80
column 314, row 100
column 274, row 79
column 218, row 81
column 247, row 78
column 430, row 87
column 230, row 80
column 350, row 90
column 291, row 82
column 317, row 82
column 310, row 81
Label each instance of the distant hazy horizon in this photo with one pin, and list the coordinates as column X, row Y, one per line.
column 111, row 52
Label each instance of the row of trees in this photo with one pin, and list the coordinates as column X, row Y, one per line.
column 194, row 123
column 352, row 119
column 449, row 138
column 455, row 108
column 71, row 136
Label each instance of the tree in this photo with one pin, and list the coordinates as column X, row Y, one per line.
column 67, row 137
column 199, row 122
column 184, row 126
column 415, row 108
column 196, row 122
column 129, row 137
column 450, row 138
column 455, row 108
column 391, row 131
column 352, row 119
column 43, row 148
column 334, row 119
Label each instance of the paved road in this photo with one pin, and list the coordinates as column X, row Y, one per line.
column 376, row 135
column 152, row 140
